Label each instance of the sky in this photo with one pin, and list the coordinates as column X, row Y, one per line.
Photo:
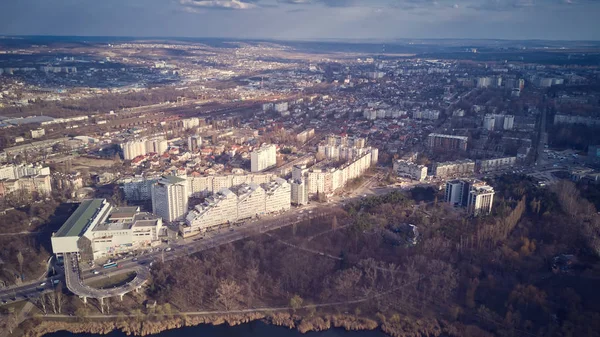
column 306, row 19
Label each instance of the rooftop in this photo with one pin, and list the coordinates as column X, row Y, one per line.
column 78, row 221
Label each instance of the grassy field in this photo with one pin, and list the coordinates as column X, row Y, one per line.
column 113, row 281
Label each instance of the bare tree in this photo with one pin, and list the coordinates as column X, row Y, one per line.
column 228, row 293
column 60, row 298
column 52, row 300
column 42, row 301
column 20, row 260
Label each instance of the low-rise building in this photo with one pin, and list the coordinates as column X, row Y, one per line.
column 408, row 169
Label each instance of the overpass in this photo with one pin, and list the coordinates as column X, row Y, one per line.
column 75, row 283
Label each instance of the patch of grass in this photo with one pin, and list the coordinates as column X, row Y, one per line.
column 113, row 281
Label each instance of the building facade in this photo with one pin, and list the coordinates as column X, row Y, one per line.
column 263, row 158
column 437, row 141
column 170, row 198
column 459, row 168
column 407, row 169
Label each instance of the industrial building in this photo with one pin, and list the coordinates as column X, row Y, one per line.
column 97, row 230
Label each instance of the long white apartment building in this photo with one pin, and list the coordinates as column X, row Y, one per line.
column 97, row 230
column 408, row 169
column 10, row 171
column 263, row 158
column 487, row 165
column 459, row 168
column 170, row 198
column 205, row 185
column 143, row 146
column 328, row 180
column 242, row 202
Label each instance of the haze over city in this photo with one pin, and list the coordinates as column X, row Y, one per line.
column 306, row 19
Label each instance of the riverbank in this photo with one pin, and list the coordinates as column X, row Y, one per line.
column 151, row 324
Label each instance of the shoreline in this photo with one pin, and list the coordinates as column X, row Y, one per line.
column 151, row 324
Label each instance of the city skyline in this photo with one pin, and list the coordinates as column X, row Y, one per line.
column 306, row 19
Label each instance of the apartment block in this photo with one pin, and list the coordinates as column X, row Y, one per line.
column 473, row 194
column 263, row 158
column 437, row 141
column 170, row 198
column 488, row 165
column 239, row 203
column 459, row 168
column 408, row 169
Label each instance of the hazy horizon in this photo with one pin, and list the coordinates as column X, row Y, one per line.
column 383, row 20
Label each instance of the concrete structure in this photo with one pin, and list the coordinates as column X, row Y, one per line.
column 305, row 135
column 426, row 114
column 489, row 122
column 170, row 198
column 299, row 191
column 574, row 119
column 473, row 194
column 323, row 179
column 141, row 147
column 263, row 158
column 38, row 133
column 447, row 142
column 239, row 203
column 137, row 188
column 481, row 199
column 408, row 169
column 194, row 143
column 487, row 165
column 459, row 168
column 190, row 123
column 205, row 185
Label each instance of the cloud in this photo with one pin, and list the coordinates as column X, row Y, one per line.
column 296, row 2
column 193, row 5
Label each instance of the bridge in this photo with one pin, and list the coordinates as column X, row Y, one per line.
column 75, row 284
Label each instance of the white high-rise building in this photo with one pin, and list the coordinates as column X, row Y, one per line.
column 489, row 122
column 133, row 149
column 475, row 195
column 299, row 192
column 481, row 198
column 170, row 198
column 263, row 158
column 156, row 145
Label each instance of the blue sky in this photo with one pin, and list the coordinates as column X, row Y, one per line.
column 306, row 19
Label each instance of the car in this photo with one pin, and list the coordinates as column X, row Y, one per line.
column 42, row 284
column 134, row 259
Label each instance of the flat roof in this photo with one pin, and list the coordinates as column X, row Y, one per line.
column 76, row 223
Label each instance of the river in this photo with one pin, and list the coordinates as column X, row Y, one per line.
column 253, row 329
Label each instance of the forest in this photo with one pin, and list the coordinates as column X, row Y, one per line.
column 489, row 276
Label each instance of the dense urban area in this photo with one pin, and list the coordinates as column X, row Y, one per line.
column 423, row 189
